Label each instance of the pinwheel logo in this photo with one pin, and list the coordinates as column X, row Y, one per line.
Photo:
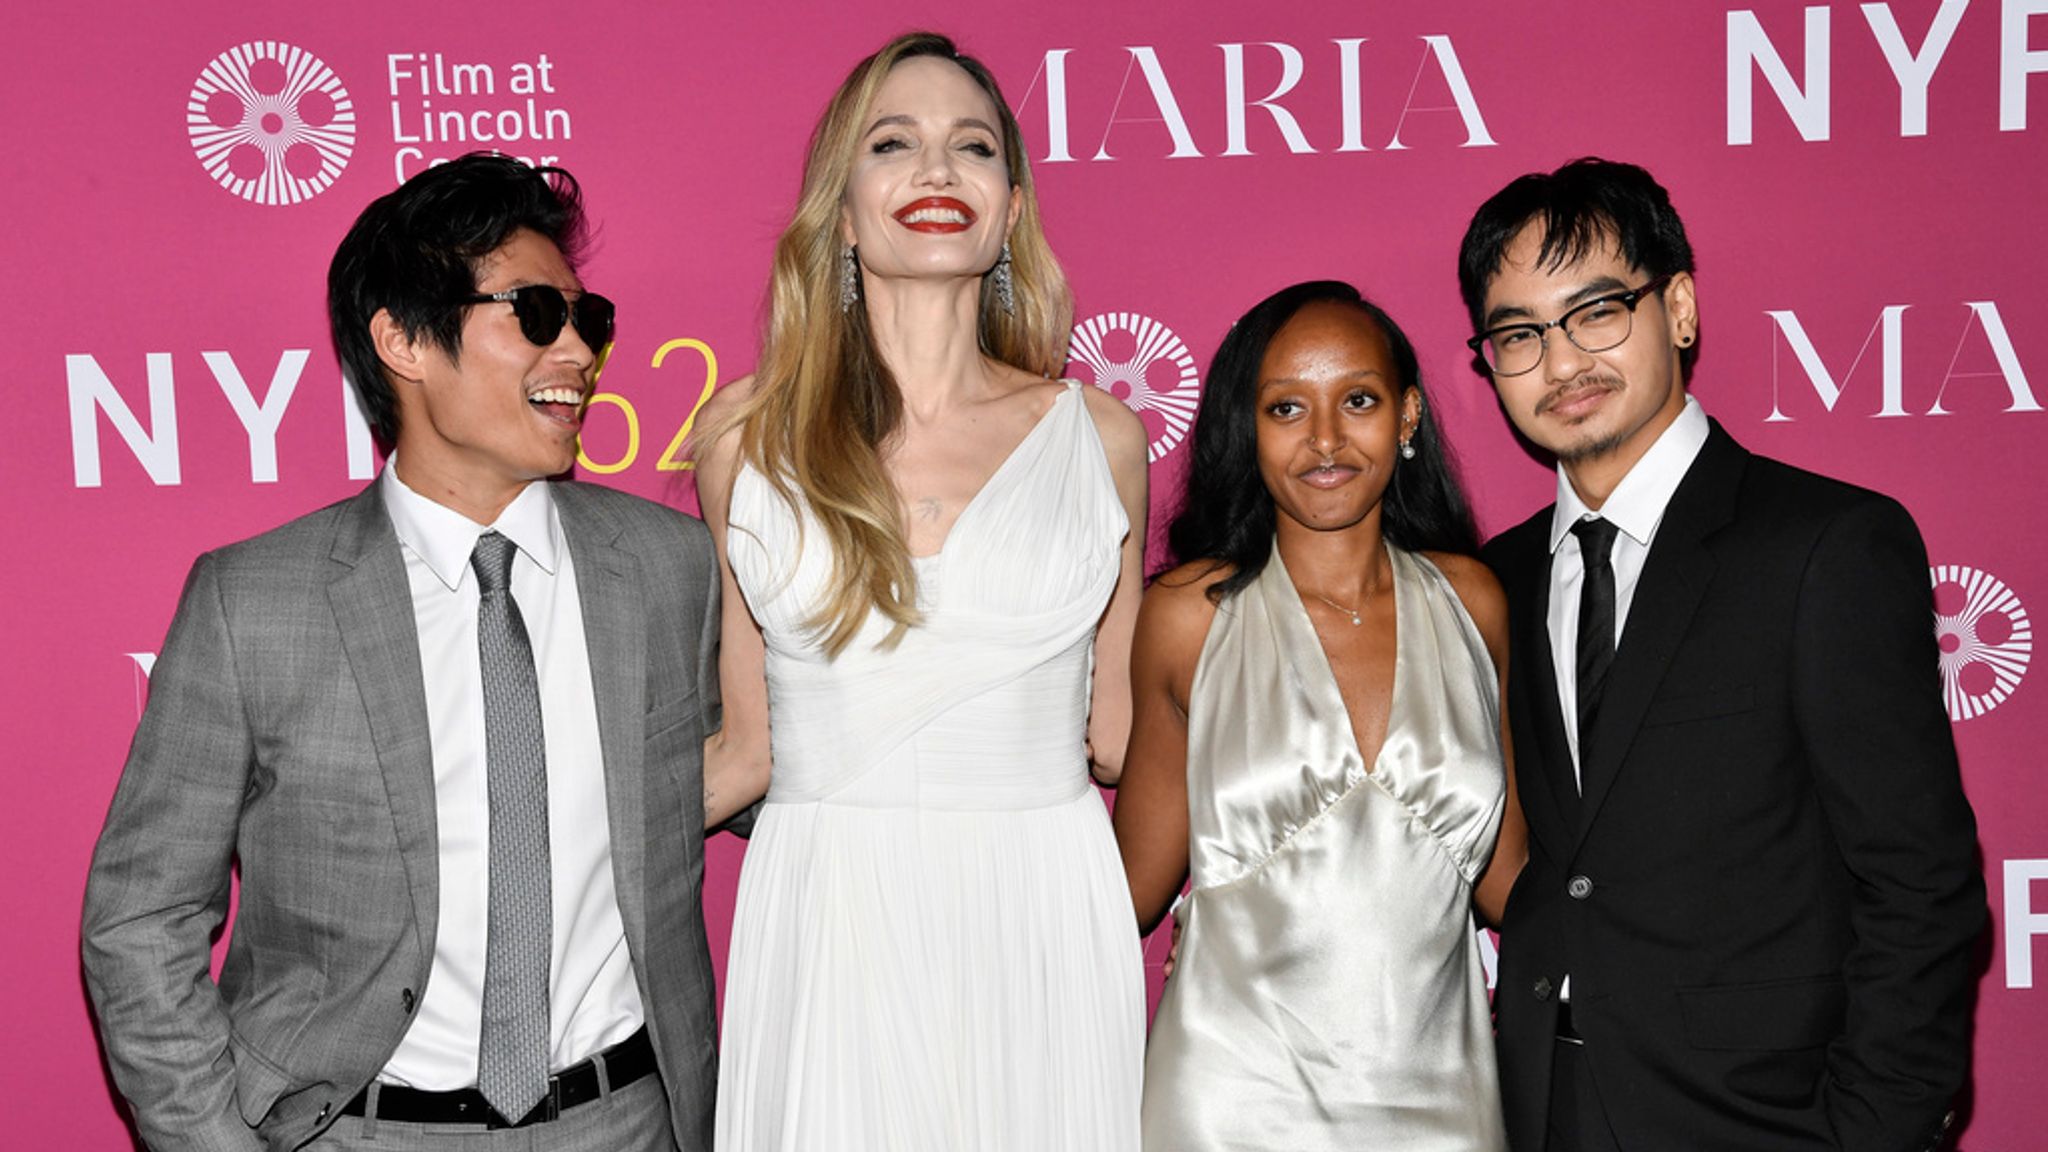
column 1985, row 637
column 271, row 123
column 1151, row 372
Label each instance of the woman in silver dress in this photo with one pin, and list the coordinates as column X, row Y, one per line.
column 1318, row 742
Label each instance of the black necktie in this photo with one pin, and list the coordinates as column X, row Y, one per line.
column 512, row 1050
column 1596, row 626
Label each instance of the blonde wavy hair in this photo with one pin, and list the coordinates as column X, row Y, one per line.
column 824, row 404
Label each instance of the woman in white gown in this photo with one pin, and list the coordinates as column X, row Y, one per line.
column 934, row 553
column 1319, row 741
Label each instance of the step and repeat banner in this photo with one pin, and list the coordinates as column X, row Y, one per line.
column 1862, row 183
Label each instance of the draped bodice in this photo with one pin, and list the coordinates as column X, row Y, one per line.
column 1001, row 659
column 1270, row 743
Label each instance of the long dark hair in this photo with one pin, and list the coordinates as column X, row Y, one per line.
column 1226, row 514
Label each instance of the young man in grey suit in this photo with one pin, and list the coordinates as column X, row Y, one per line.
column 1752, row 891
column 449, row 733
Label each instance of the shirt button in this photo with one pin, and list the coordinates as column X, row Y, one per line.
column 1578, row 888
column 1543, row 988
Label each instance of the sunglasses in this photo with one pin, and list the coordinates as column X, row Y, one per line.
column 542, row 310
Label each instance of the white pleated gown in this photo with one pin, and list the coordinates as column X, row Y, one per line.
column 933, row 946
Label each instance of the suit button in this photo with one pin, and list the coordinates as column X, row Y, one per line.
column 1941, row 1133
column 1578, row 888
column 324, row 1110
column 1543, row 988
column 406, row 1001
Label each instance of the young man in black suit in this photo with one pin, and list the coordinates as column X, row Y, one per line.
column 1747, row 917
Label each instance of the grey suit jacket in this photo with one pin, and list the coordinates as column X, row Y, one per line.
column 286, row 738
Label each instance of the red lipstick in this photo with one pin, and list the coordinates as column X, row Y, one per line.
column 935, row 214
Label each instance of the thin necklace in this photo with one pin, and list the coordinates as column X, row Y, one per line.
column 1351, row 612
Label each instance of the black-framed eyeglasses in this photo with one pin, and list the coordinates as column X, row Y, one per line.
column 542, row 310
column 1595, row 326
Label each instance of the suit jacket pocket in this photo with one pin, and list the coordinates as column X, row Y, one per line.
column 671, row 712
column 1773, row 1015
column 258, row 1083
column 1701, row 705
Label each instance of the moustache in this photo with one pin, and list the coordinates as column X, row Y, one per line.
column 1576, row 389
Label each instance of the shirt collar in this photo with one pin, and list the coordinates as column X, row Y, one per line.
column 445, row 538
column 1637, row 503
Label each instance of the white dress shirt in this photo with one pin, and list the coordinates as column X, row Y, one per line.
column 594, row 999
column 1636, row 508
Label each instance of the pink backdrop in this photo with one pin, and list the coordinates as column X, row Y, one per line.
column 1862, row 183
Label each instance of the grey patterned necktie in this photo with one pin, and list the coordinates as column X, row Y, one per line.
column 512, row 1052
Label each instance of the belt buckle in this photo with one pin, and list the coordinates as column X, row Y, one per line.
column 551, row 1104
column 547, row 1108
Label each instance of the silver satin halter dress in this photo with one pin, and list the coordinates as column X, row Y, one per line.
column 1329, row 992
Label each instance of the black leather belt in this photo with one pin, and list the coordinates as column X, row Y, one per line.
column 1566, row 1032
column 624, row 1062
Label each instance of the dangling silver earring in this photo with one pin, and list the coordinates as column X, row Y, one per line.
column 1006, row 288
column 1408, row 449
column 849, row 279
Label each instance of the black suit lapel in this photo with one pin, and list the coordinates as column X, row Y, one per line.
column 1675, row 578
column 1543, row 764
column 1546, row 719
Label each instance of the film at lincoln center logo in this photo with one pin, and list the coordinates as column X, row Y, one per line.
column 1985, row 637
column 1140, row 361
column 271, row 123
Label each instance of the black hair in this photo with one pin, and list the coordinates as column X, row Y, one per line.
column 414, row 252
column 1227, row 515
column 1582, row 207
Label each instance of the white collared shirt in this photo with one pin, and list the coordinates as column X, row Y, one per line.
column 594, row 1000
column 1636, row 508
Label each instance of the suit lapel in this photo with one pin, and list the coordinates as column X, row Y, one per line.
column 1675, row 578
column 607, row 584
column 372, row 603
column 1530, row 611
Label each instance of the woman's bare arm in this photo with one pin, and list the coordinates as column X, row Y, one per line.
column 1151, row 816
column 1487, row 605
column 736, row 757
column 1109, row 711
